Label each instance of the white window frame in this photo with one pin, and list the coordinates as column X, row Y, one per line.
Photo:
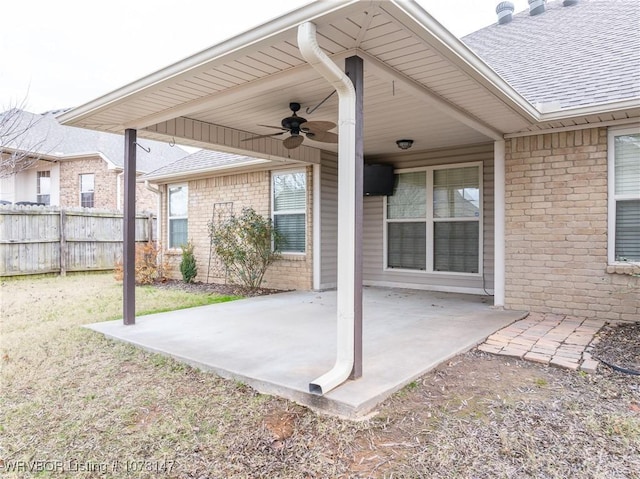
column 182, row 217
column 430, row 220
column 611, row 187
column 93, row 192
column 39, row 175
column 292, row 212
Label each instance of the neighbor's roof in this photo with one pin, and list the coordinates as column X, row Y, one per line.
column 202, row 161
column 44, row 135
column 583, row 54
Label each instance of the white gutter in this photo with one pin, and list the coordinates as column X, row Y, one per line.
column 308, row 45
column 119, row 176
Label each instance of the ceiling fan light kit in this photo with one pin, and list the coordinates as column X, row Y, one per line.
column 299, row 127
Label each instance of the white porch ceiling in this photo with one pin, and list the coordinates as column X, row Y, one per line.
column 415, row 85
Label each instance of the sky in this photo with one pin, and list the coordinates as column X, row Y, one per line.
column 66, row 53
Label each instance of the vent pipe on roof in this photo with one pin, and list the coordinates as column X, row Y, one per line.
column 536, row 7
column 568, row 3
column 505, row 12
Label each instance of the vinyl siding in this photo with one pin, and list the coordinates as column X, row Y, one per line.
column 328, row 220
column 373, row 248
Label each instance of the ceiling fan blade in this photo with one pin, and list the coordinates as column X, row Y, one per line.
column 272, row 126
column 293, row 142
column 264, row 136
column 318, row 125
column 323, row 136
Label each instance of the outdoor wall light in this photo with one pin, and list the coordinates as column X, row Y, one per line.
column 404, row 144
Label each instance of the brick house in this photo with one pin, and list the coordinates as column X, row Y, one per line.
column 515, row 151
column 77, row 167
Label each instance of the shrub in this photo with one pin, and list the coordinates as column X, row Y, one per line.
column 246, row 245
column 149, row 268
column 188, row 266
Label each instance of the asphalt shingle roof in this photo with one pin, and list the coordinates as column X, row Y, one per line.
column 201, row 161
column 43, row 134
column 583, row 54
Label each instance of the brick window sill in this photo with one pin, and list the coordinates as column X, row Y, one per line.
column 631, row 269
column 293, row 257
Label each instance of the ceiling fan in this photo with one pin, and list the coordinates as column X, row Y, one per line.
column 299, row 127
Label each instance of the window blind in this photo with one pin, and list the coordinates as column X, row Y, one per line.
column 456, row 193
column 456, row 246
column 292, row 229
column 409, row 198
column 627, row 165
column 627, row 230
column 407, row 245
column 289, row 210
column 178, row 201
column 289, row 192
column 178, row 232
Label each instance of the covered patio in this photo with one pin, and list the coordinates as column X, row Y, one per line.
column 405, row 334
column 400, row 78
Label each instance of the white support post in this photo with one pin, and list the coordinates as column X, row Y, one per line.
column 499, row 225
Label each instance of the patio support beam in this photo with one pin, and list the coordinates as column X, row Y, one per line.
column 499, row 226
column 355, row 71
column 129, row 237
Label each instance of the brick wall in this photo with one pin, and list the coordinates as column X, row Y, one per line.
column 106, row 189
column 556, row 229
column 244, row 190
column 105, row 182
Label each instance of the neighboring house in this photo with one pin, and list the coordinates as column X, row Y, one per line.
column 522, row 178
column 77, row 167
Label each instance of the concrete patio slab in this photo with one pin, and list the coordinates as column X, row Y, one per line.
column 278, row 344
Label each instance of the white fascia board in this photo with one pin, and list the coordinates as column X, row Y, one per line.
column 590, row 110
column 199, row 172
column 199, row 60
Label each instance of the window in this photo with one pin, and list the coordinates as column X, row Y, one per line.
column 87, row 189
column 434, row 220
column 178, row 226
column 289, row 210
column 624, row 195
column 43, row 187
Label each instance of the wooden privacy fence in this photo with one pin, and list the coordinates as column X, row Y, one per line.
column 40, row 239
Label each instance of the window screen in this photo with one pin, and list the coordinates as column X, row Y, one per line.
column 627, row 197
column 289, row 210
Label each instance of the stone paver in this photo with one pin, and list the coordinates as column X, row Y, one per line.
column 562, row 341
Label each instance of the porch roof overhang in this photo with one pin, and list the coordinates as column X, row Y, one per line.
column 420, row 82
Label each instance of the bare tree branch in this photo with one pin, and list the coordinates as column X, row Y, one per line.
column 18, row 150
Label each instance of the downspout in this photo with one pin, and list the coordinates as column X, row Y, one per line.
column 311, row 52
column 119, row 179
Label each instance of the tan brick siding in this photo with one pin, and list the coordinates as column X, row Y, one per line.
column 244, row 190
column 106, row 190
column 556, row 228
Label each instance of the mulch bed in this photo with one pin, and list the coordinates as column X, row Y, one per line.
column 214, row 288
column 619, row 345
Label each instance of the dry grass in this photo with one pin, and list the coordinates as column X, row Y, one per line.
column 70, row 394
